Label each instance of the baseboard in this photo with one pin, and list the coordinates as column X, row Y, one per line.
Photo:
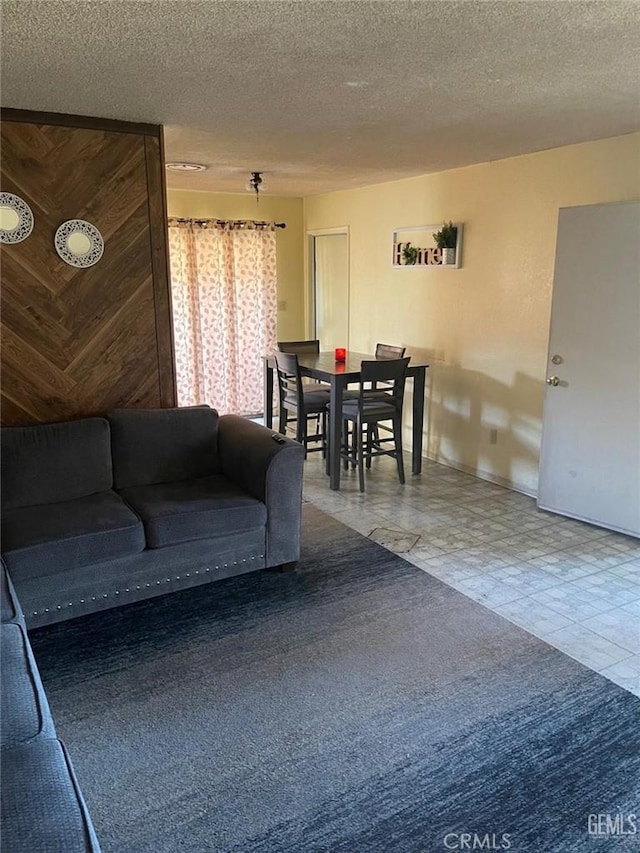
column 485, row 475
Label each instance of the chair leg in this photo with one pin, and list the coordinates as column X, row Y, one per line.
column 323, row 418
column 360, row 453
column 370, row 443
column 376, row 436
column 327, row 457
column 345, row 444
column 282, row 421
column 397, row 440
column 354, row 443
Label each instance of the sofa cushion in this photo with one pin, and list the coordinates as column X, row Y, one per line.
column 45, row 540
column 163, row 445
column 42, row 808
column 11, row 610
column 194, row 509
column 23, row 704
column 48, row 463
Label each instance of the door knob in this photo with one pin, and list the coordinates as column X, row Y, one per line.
column 553, row 380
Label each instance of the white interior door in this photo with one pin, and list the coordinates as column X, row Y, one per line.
column 590, row 462
column 331, row 290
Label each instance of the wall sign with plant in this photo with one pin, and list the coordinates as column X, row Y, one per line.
column 428, row 246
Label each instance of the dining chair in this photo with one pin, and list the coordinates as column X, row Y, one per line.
column 305, row 348
column 372, row 407
column 385, row 351
column 309, row 347
column 298, row 403
column 382, row 351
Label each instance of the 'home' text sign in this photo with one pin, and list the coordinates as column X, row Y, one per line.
column 415, row 247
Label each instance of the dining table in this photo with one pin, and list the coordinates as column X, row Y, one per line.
column 323, row 367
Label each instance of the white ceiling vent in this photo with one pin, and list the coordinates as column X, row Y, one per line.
column 185, row 167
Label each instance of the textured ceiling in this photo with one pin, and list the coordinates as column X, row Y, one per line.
column 329, row 95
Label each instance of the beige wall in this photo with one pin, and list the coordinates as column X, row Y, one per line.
column 484, row 327
column 290, row 242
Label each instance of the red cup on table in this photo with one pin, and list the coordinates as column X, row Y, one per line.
column 341, row 354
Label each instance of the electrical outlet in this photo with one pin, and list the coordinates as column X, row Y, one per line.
column 282, row 305
column 493, row 436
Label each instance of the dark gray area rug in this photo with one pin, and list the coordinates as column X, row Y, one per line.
column 357, row 705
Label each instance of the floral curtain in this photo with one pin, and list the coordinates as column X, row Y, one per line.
column 223, row 286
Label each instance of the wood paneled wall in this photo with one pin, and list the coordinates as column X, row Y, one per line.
column 81, row 341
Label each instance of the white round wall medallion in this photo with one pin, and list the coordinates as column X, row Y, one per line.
column 16, row 219
column 79, row 243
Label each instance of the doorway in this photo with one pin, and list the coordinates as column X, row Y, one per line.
column 329, row 261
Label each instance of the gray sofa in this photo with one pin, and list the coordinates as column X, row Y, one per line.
column 42, row 807
column 102, row 512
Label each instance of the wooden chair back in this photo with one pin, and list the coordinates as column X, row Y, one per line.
column 389, row 351
column 299, row 347
column 289, row 381
column 392, row 372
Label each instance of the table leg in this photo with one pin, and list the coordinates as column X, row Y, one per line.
column 268, row 394
column 418, row 419
column 335, row 431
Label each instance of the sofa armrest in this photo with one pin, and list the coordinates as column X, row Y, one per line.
column 11, row 608
column 270, row 471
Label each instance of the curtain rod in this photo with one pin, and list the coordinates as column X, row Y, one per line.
column 227, row 223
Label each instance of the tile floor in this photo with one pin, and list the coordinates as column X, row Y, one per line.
column 574, row 585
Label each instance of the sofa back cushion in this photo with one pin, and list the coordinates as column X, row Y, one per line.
column 163, row 445
column 49, row 463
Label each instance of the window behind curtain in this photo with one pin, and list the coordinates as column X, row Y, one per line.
column 223, row 284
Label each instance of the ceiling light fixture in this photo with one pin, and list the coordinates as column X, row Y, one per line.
column 256, row 184
column 185, row 167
